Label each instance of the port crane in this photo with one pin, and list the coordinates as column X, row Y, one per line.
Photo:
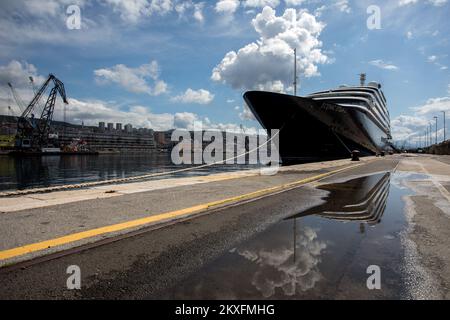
column 32, row 132
column 16, row 97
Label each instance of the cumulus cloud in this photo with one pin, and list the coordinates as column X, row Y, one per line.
column 189, row 7
column 435, row 60
column 227, row 6
column 412, row 127
column 18, row 74
column 276, row 268
column 343, row 6
column 267, row 64
column 185, row 120
column 49, row 7
column 246, row 113
column 434, row 105
column 133, row 79
column 135, row 11
column 132, row 11
column 436, row 3
column 200, row 96
column 338, row 5
column 91, row 111
column 24, row 22
column 402, row 3
column 88, row 111
column 383, row 65
column 41, row 8
column 409, row 122
column 261, row 3
column 294, row 2
column 37, row 23
column 198, row 12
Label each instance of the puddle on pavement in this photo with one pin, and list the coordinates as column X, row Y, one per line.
column 322, row 253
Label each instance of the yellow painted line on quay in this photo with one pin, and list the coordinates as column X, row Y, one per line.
column 164, row 217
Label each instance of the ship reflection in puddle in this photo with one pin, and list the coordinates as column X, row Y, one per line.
column 360, row 200
column 323, row 252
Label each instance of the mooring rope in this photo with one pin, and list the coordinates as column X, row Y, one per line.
column 130, row 179
column 342, row 142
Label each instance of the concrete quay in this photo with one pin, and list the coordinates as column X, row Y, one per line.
column 176, row 238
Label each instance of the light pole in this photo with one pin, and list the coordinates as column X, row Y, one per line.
column 436, row 119
column 445, row 137
column 431, row 134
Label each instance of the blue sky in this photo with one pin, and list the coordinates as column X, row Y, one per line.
column 166, row 63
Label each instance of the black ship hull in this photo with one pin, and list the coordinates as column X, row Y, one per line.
column 312, row 130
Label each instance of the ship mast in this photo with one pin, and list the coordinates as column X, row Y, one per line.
column 295, row 71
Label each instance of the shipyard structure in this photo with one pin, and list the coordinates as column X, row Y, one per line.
column 109, row 137
column 104, row 138
column 35, row 132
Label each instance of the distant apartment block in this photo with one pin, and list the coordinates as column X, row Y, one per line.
column 128, row 128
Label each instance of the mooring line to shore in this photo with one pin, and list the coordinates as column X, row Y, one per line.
column 164, row 217
column 129, row 179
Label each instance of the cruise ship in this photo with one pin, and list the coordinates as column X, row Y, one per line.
column 325, row 125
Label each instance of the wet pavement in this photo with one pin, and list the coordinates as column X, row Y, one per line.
column 312, row 242
column 323, row 252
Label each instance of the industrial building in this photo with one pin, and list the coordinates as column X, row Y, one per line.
column 106, row 137
column 101, row 138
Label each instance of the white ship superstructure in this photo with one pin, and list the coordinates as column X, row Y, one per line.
column 368, row 98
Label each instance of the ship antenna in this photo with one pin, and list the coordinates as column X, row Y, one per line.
column 362, row 79
column 295, row 71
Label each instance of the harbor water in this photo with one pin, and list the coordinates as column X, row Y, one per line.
column 18, row 173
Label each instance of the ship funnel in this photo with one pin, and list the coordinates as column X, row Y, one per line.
column 362, row 79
